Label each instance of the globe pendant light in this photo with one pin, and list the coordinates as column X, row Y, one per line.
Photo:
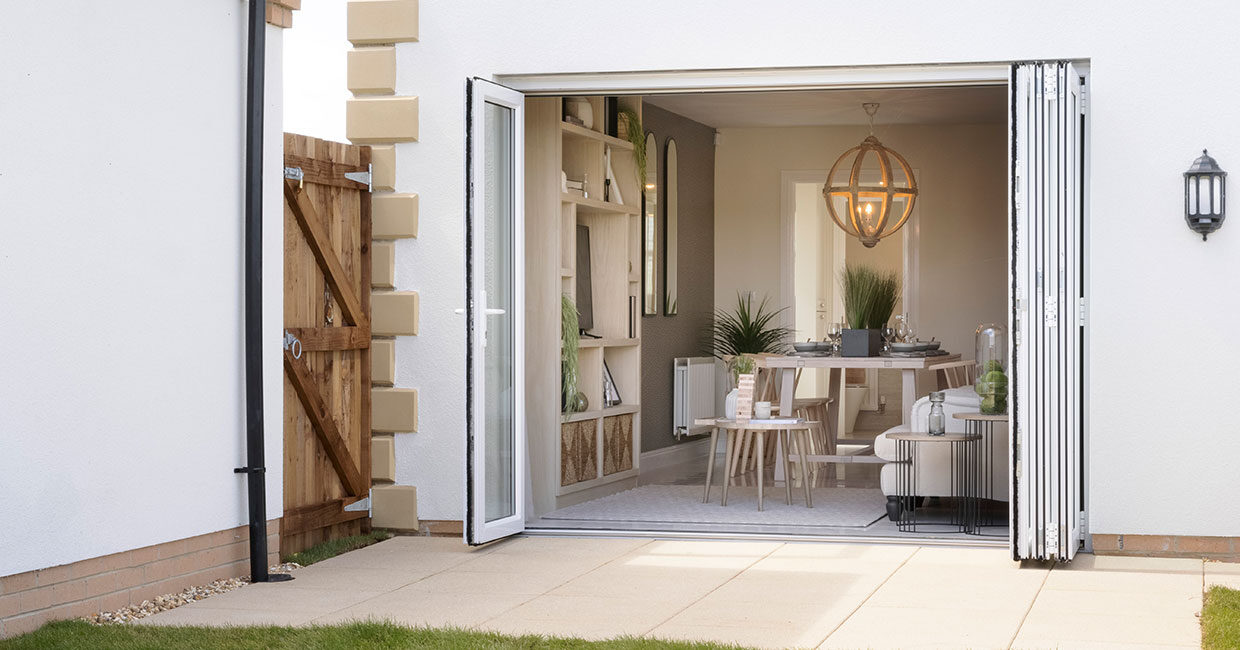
column 866, row 196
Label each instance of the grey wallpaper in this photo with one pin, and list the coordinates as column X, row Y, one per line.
column 667, row 337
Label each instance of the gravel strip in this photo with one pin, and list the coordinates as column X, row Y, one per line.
column 172, row 601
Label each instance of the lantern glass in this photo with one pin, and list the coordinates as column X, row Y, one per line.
column 1217, row 195
column 1192, row 195
column 1204, row 194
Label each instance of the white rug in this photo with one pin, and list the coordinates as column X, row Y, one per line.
column 682, row 504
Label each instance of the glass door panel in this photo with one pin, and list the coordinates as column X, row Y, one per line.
column 495, row 457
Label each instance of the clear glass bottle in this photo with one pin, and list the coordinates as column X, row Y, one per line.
column 992, row 358
column 937, row 421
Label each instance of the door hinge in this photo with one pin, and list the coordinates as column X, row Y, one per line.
column 1052, row 534
column 1051, row 312
column 362, row 177
column 1080, row 306
column 361, row 505
column 1050, row 87
column 1081, row 529
column 1084, row 97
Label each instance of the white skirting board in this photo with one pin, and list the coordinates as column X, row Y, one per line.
column 695, row 450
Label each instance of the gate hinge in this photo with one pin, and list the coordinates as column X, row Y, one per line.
column 361, row 505
column 362, row 177
column 295, row 174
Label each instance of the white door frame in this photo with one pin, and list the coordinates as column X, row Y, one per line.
column 816, row 78
column 477, row 529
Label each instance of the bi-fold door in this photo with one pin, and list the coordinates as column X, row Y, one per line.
column 1048, row 308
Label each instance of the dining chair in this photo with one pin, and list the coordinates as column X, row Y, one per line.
column 955, row 374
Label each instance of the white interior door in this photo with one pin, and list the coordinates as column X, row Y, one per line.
column 495, row 314
column 1046, row 369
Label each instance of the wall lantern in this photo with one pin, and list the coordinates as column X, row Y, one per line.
column 1205, row 195
column 865, row 201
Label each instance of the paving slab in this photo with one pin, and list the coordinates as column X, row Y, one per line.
column 756, row 593
column 1223, row 574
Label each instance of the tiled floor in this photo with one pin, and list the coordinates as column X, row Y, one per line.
column 859, row 475
column 764, row 594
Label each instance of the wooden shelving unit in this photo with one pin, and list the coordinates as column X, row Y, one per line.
column 601, row 445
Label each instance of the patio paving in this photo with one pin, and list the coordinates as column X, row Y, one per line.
column 763, row 594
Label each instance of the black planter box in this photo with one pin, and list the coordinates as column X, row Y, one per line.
column 861, row 343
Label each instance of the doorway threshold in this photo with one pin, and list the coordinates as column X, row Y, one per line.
column 957, row 540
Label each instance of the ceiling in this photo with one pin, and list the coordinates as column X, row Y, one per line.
column 958, row 105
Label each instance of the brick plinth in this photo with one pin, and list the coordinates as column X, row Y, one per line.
column 110, row 582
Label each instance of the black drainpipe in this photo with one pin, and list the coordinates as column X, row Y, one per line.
column 255, row 469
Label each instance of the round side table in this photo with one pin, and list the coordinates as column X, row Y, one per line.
column 983, row 424
column 965, row 477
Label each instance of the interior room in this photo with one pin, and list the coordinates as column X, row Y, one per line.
column 651, row 220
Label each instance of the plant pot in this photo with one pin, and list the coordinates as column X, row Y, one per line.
column 861, row 343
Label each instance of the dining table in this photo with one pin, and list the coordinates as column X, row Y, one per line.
column 787, row 367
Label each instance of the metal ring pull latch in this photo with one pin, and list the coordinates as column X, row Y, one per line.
column 293, row 344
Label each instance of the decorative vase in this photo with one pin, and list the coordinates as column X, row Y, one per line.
column 992, row 380
column 936, row 422
column 580, row 108
column 729, row 404
column 861, row 343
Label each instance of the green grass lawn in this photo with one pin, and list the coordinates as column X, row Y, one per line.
column 1220, row 619
column 72, row 635
column 334, row 547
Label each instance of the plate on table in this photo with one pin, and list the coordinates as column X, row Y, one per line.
column 903, row 347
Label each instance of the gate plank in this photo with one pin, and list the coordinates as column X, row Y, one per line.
column 322, row 339
column 306, row 518
column 324, row 425
column 320, row 245
column 326, row 172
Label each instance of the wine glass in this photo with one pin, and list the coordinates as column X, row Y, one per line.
column 888, row 333
column 835, row 330
column 902, row 329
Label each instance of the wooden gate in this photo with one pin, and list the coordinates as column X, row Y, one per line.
column 327, row 310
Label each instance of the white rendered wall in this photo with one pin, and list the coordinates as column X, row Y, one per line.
column 1162, row 431
column 121, row 378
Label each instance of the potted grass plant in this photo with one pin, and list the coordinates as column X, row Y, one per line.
column 870, row 297
column 571, row 399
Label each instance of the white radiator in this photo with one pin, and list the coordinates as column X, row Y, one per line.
column 694, row 391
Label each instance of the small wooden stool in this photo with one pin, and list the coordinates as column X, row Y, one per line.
column 795, row 435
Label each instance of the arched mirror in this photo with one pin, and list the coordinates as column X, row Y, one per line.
column 650, row 229
column 670, row 224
